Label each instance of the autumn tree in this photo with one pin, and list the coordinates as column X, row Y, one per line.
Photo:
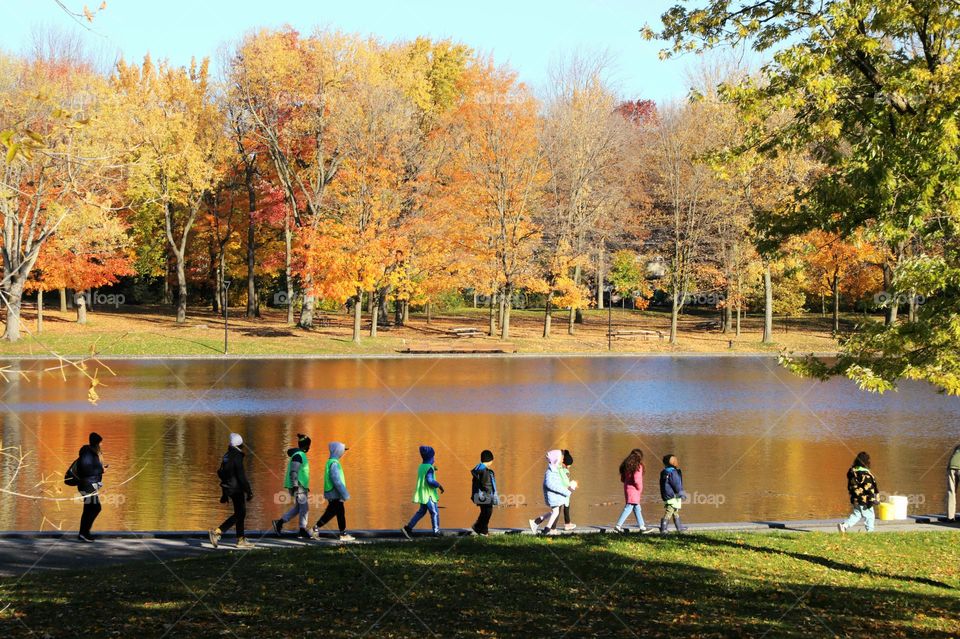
column 176, row 137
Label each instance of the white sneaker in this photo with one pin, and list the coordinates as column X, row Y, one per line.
column 618, row 529
column 842, row 527
column 314, row 533
column 569, row 526
column 533, row 526
column 346, row 537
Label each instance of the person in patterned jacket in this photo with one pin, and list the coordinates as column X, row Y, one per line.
column 864, row 493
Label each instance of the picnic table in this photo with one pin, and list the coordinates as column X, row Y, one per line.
column 627, row 333
column 466, row 331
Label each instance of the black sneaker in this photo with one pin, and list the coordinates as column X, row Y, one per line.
column 87, row 539
column 407, row 532
column 278, row 527
column 304, row 533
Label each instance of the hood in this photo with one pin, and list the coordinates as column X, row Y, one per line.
column 554, row 457
column 427, row 454
column 336, row 449
column 478, row 469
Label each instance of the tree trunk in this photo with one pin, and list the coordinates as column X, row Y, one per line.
column 501, row 299
column 398, row 312
column 600, row 277
column 474, row 298
column 738, row 321
column 727, row 319
column 383, row 298
column 767, row 305
column 217, row 284
column 288, row 266
column 573, row 311
column 357, row 314
column 836, row 304
column 14, row 291
column 181, row 290
column 505, row 304
column 912, row 310
column 890, row 317
column 674, row 312
column 63, row 299
column 374, row 312
column 253, row 308
column 428, row 309
column 493, row 318
column 547, row 318
column 39, row 310
column 306, row 312
column 82, row 308
column 406, row 312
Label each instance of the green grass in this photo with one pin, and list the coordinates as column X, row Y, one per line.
column 705, row 585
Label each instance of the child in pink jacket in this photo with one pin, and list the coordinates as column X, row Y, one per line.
column 631, row 474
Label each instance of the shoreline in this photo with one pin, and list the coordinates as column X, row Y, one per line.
column 344, row 356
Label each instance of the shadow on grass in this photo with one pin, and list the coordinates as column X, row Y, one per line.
column 572, row 587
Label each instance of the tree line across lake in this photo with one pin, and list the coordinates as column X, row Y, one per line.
column 320, row 170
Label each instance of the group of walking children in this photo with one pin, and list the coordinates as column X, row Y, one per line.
column 86, row 473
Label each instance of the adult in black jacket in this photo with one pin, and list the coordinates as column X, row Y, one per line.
column 234, row 487
column 89, row 480
column 483, row 492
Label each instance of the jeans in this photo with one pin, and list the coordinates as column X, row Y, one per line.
column 334, row 509
column 431, row 507
column 865, row 512
column 300, row 507
column 238, row 516
column 635, row 509
column 482, row 525
column 91, row 508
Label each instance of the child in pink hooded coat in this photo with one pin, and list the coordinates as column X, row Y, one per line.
column 555, row 493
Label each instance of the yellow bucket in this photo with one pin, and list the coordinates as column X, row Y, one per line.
column 885, row 511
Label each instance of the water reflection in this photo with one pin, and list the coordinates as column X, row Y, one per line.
column 754, row 441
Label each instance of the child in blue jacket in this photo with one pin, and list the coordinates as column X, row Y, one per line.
column 672, row 493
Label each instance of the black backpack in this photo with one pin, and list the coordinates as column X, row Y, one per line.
column 70, row 478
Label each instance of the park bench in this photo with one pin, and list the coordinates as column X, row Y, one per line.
column 466, row 331
column 711, row 325
column 626, row 333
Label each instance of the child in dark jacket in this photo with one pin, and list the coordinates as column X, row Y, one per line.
column 427, row 494
column 483, row 492
column 864, row 494
column 672, row 493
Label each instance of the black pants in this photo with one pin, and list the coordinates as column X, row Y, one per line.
column 238, row 516
column 566, row 514
column 334, row 509
column 483, row 521
column 91, row 508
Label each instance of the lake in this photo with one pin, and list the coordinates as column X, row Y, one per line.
column 754, row 441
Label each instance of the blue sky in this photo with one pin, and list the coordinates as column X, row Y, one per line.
column 527, row 34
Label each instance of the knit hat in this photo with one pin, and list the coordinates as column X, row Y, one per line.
column 486, row 456
column 303, row 441
column 236, row 440
column 95, row 439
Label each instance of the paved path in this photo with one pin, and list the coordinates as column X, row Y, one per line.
column 24, row 552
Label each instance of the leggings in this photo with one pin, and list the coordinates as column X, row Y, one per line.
column 238, row 516
column 91, row 508
column 334, row 509
column 300, row 507
column 550, row 517
column 429, row 507
column 566, row 513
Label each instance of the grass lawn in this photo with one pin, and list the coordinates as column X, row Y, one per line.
column 704, row 585
column 152, row 331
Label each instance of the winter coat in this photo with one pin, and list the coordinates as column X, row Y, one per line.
column 234, row 478
column 862, row 487
column 954, row 462
column 555, row 493
column 483, row 486
column 89, row 469
column 671, row 483
column 633, row 487
column 334, row 483
column 427, row 486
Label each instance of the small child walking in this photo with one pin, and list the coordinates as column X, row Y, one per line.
column 335, row 492
column 483, row 492
column 555, row 493
column 864, row 494
column 565, row 476
column 427, row 493
column 297, row 482
column 631, row 474
column 672, row 493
